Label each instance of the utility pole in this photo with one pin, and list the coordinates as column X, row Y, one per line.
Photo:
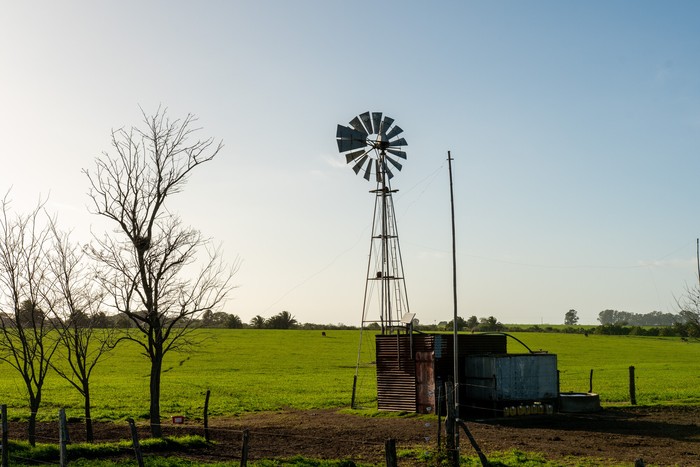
column 455, row 326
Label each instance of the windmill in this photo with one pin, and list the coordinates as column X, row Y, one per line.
column 372, row 146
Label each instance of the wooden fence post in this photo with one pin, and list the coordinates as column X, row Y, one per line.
column 206, row 416
column 354, row 388
column 62, row 441
column 244, row 449
column 439, row 417
column 390, row 452
column 590, row 381
column 5, row 462
column 135, row 442
column 633, row 388
column 556, row 408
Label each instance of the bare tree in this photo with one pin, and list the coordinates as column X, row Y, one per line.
column 76, row 306
column 148, row 263
column 27, row 343
column 689, row 304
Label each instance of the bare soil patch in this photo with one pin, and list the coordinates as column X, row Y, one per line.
column 660, row 436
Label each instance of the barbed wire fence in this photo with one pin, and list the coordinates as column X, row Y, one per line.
column 227, row 444
column 618, row 385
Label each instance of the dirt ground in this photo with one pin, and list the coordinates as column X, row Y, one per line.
column 659, row 436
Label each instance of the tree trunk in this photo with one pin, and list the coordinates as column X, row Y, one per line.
column 89, row 436
column 156, row 364
column 32, row 429
column 34, row 407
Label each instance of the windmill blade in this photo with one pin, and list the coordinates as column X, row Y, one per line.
column 367, row 121
column 358, row 166
column 398, row 142
column 376, row 121
column 401, row 154
column 357, row 124
column 351, row 156
column 386, row 124
column 394, row 132
column 345, row 145
column 345, row 132
column 393, row 162
column 368, row 171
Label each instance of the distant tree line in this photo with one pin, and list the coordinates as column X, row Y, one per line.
column 220, row 319
column 209, row 319
column 282, row 320
column 655, row 318
column 685, row 324
column 472, row 324
column 612, row 322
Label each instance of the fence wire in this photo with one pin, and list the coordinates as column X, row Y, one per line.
column 652, row 384
column 227, row 442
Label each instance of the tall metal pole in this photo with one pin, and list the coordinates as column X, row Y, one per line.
column 454, row 296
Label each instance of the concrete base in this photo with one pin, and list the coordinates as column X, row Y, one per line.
column 579, row 402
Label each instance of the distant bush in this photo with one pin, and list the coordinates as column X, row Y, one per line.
column 667, row 331
column 334, row 327
column 612, row 330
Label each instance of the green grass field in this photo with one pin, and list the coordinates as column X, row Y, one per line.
column 246, row 370
column 254, row 370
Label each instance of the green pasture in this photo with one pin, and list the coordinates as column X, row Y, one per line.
column 257, row 370
column 246, row 370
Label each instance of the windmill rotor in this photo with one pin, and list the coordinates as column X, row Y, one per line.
column 371, row 144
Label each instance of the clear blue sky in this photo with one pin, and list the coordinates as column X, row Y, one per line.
column 574, row 128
